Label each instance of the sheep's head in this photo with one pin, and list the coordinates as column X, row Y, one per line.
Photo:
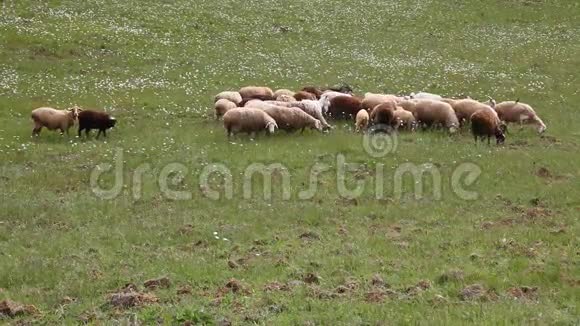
column 317, row 125
column 112, row 122
column 271, row 127
column 491, row 102
column 74, row 112
column 542, row 128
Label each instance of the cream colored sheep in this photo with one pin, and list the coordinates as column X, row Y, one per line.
column 425, row 96
column 248, row 120
column 230, row 96
column 517, row 112
column 283, row 91
column 371, row 100
column 256, row 92
column 314, row 109
column 291, row 119
column 285, row 98
column 431, row 113
column 222, row 106
column 408, row 105
column 405, row 119
column 362, row 120
column 54, row 119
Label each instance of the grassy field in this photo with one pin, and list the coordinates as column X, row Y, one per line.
column 509, row 257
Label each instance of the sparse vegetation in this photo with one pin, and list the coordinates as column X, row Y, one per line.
column 67, row 256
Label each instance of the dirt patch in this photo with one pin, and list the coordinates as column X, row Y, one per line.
column 184, row 290
column 276, row 286
column 418, row 288
column 477, row 292
column 523, row 293
column 187, row 229
column 232, row 286
column 547, row 175
column 13, row 309
column 309, row 236
column 162, row 283
column 377, row 281
column 322, row 294
column 130, row 296
column 311, row 278
column 380, row 295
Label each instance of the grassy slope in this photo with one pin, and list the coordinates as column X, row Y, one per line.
column 156, row 69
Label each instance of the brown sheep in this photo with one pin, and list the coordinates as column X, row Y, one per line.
column 371, row 100
column 431, row 113
column 465, row 108
column 517, row 112
column 344, row 107
column 317, row 91
column 384, row 115
column 486, row 124
column 248, row 120
column 303, row 95
column 53, row 119
column 89, row 119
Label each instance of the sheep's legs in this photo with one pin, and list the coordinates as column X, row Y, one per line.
column 36, row 131
column 99, row 133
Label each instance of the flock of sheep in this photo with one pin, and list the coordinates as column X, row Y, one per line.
column 253, row 109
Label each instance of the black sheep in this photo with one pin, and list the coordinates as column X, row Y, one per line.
column 89, row 119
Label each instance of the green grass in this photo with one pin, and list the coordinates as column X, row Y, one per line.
column 156, row 66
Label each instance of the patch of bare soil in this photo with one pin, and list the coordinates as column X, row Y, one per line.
column 162, row 283
column 378, row 295
column 130, row 296
column 523, row 293
column 232, row 286
column 11, row 308
column 311, row 278
column 453, row 275
column 477, row 292
column 547, row 175
column 276, row 286
column 184, row 290
column 309, row 236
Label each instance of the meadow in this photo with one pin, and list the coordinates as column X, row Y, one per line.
column 509, row 255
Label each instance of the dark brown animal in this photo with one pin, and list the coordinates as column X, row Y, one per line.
column 485, row 123
column 313, row 90
column 303, row 95
column 384, row 114
column 344, row 107
column 89, row 119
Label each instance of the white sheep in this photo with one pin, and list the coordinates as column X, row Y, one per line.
column 517, row 112
column 230, row 96
column 291, row 119
column 362, row 120
column 248, row 120
column 54, row 119
column 313, row 108
column 431, row 113
column 256, row 92
column 285, row 98
column 222, row 106
column 425, row 96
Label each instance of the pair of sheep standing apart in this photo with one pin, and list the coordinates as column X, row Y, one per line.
column 63, row 120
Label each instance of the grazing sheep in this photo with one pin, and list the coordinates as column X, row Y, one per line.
column 89, row 119
column 313, row 90
column 326, row 97
column 362, row 120
column 408, row 105
column 465, row 108
column 222, row 106
column 256, row 92
column 235, row 97
column 302, row 95
column 291, row 119
column 486, row 124
column 371, row 100
column 53, row 119
column 425, row 96
column 285, row 98
column 283, row 91
column 344, row 88
column 405, row 119
column 344, row 107
column 248, row 120
column 313, row 108
column 384, row 114
column 430, row 113
column 517, row 112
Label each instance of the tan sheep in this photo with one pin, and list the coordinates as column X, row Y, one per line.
column 248, row 120
column 432, row 113
column 230, row 96
column 371, row 100
column 292, row 119
column 222, row 106
column 465, row 108
column 408, row 105
column 314, row 109
column 256, row 92
column 303, row 95
column 517, row 112
column 405, row 119
column 362, row 120
column 54, row 119
column 283, row 91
